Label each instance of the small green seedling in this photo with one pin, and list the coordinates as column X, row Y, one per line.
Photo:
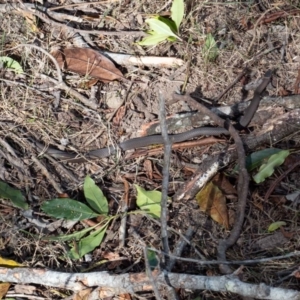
column 10, row 63
column 86, row 240
column 210, row 50
column 267, row 169
column 70, row 209
column 162, row 29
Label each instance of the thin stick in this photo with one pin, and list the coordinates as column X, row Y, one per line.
column 150, row 275
column 244, row 72
column 226, row 262
column 164, row 194
column 46, row 19
column 80, row 4
column 166, row 167
column 278, row 179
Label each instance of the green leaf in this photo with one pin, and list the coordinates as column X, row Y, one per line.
column 177, row 12
column 153, row 39
column 149, row 201
column 88, row 243
column 14, row 195
column 171, row 39
column 169, row 22
column 210, row 49
column 94, row 196
column 274, row 226
column 160, row 27
column 10, row 63
column 256, row 159
column 266, row 170
column 68, row 209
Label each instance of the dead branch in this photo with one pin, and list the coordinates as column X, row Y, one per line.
column 273, row 131
column 132, row 283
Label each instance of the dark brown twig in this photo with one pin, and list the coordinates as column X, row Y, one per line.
column 243, row 73
column 164, row 193
column 179, row 248
column 279, row 14
column 232, row 262
column 297, row 84
column 278, row 179
column 48, row 19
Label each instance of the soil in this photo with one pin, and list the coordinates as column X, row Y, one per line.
column 34, row 108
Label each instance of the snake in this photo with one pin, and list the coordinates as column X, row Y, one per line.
column 140, row 142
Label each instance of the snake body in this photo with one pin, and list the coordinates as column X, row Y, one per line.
column 158, row 139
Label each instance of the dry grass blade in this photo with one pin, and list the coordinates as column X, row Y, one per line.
column 88, row 62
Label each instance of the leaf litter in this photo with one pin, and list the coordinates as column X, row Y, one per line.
column 88, row 62
column 39, row 118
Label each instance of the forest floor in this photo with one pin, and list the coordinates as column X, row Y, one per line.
column 221, row 43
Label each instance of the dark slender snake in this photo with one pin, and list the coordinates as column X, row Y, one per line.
column 157, row 139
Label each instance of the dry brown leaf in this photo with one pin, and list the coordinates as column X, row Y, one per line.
column 213, row 202
column 83, row 294
column 110, row 255
column 85, row 61
column 148, row 168
column 119, row 115
column 4, row 286
column 221, row 181
column 124, row 297
column 286, row 234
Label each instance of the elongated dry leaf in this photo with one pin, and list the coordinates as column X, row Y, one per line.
column 88, row 62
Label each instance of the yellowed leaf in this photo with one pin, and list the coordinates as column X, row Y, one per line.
column 9, row 263
column 213, row 202
column 3, row 289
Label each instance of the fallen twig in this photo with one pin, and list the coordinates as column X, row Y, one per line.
column 166, row 168
column 50, row 19
column 278, row 179
column 132, row 283
column 227, row 262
